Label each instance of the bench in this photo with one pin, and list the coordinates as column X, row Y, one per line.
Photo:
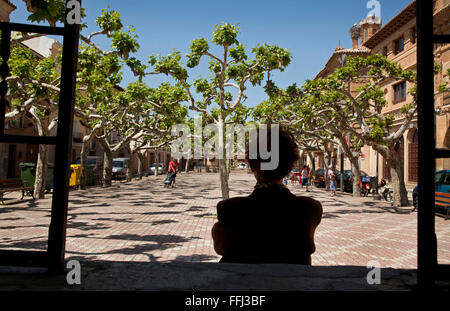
column 11, row 185
column 442, row 199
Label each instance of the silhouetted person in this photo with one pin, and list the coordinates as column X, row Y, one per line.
column 272, row 225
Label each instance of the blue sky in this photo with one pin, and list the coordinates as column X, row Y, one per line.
column 309, row 29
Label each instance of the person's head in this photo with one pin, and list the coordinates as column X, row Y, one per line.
column 288, row 155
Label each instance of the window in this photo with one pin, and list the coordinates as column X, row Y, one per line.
column 385, row 51
column 400, row 92
column 366, row 34
column 413, row 35
column 446, row 180
column 399, row 45
column 437, row 177
column 446, row 100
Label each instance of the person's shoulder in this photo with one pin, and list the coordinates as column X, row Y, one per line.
column 232, row 202
column 310, row 206
column 227, row 208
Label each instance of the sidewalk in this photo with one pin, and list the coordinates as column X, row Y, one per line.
column 141, row 221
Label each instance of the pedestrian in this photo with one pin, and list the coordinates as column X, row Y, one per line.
column 304, row 174
column 173, row 168
column 309, row 174
column 332, row 178
column 272, row 225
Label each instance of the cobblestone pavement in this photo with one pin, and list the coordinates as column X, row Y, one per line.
column 142, row 221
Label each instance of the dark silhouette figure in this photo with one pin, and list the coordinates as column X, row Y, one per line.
column 272, row 225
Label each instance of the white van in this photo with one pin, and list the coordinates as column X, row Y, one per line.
column 120, row 168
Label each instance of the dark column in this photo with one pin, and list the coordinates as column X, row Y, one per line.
column 57, row 232
column 427, row 252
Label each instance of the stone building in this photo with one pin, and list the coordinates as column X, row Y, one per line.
column 397, row 41
column 6, row 7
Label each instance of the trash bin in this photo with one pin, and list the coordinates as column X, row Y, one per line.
column 28, row 175
column 75, row 175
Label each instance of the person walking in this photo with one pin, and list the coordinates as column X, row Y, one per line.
column 332, row 178
column 173, row 168
column 305, row 176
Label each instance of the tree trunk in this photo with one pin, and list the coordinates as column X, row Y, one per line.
column 41, row 172
column 313, row 164
column 223, row 170
column 391, row 156
column 186, row 169
column 157, row 163
column 107, row 168
column 83, row 162
column 129, row 173
column 140, row 164
column 398, row 182
column 326, row 167
column 356, row 176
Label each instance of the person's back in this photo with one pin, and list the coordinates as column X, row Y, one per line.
column 270, row 226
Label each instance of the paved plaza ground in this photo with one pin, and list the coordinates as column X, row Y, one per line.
column 141, row 221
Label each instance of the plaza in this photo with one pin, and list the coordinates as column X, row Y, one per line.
column 141, row 221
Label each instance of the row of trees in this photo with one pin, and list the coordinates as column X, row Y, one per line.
column 345, row 108
column 140, row 115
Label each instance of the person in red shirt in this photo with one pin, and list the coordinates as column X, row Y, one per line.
column 173, row 168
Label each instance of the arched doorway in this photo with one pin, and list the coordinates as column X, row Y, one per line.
column 413, row 159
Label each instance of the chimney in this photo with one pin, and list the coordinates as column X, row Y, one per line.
column 355, row 33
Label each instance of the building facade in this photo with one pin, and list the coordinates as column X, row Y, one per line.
column 397, row 42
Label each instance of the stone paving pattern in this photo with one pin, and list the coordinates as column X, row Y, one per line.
column 142, row 221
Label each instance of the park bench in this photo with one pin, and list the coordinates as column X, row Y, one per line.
column 11, row 185
column 443, row 200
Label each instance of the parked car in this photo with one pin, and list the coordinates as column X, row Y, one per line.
column 242, row 166
column 319, row 179
column 119, row 168
column 442, row 185
column 156, row 166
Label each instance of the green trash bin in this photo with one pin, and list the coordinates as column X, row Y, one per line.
column 28, row 175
